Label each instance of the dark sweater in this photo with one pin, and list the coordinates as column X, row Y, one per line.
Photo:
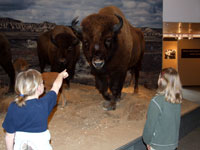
column 161, row 130
column 33, row 117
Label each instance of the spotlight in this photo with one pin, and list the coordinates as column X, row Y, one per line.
column 190, row 36
column 180, row 37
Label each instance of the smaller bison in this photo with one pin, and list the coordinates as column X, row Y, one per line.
column 20, row 65
column 6, row 60
column 49, row 78
column 60, row 49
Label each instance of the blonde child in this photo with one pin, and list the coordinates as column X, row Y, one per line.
column 161, row 131
column 27, row 117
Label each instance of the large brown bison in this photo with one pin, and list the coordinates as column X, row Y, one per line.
column 59, row 48
column 6, row 60
column 112, row 46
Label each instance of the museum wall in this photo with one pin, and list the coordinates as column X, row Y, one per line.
column 180, row 11
column 189, row 67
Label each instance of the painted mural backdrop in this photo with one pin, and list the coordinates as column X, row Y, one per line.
column 22, row 21
column 140, row 13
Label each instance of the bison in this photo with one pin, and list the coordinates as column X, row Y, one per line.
column 6, row 60
column 49, row 78
column 112, row 46
column 20, row 65
column 60, row 49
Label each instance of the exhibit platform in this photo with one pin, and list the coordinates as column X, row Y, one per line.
column 83, row 124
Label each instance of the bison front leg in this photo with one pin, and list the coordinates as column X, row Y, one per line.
column 102, row 85
column 116, row 84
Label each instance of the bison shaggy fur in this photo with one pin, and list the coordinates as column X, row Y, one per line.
column 60, row 49
column 112, row 46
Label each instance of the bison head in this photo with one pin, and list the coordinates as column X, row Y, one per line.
column 98, row 34
column 66, row 44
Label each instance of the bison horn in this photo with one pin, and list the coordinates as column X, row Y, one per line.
column 117, row 27
column 76, row 28
column 75, row 21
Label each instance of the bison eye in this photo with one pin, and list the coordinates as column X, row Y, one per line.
column 85, row 43
column 108, row 42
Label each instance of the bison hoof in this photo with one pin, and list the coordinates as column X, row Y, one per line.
column 108, row 105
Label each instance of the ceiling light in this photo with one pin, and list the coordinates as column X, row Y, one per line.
column 190, row 36
column 180, row 37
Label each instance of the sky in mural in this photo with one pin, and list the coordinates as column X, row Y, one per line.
column 140, row 13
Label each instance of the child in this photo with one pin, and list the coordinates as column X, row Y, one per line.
column 161, row 131
column 27, row 118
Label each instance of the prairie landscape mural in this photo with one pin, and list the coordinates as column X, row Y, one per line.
column 23, row 21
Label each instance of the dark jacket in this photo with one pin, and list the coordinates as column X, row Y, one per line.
column 161, row 130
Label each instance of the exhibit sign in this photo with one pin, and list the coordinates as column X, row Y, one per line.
column 190, row 53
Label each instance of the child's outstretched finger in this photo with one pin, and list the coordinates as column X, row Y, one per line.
column 65, row 74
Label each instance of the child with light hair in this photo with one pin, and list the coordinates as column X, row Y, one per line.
column 161, row 131
column 27, row 118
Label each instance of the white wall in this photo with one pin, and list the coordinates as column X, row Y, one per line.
column 181, row 10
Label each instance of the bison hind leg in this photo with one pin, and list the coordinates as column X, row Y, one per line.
column 63, row 100
column 137, row 71
column 133, row 80
column 67, row 83
column 129, row 79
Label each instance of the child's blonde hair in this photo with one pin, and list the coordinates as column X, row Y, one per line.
column 169, row 84
column 26, row 84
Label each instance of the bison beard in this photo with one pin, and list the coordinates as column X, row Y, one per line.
column 112, row 46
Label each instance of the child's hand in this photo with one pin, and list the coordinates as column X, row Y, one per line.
column 148, row 147
column 64, row 74
column 58, row 82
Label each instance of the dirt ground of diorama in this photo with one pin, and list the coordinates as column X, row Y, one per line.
column 83, row 124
